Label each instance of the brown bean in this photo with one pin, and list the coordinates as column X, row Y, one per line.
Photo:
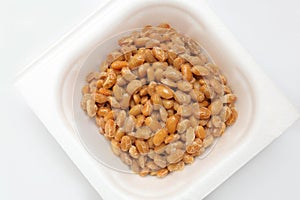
column 159, row 149
column 203, row 122
column 229, row 98
column 125, row 158
column 227, row 113
column 136, row 98
column 93, row 87
column 115, row 147
column 143, row 91
column 127, row 40
column 151, row 88
column 162, row 173
column 99, row 98
column 150, row 74
column 185, row 110
column 133, row 152
column 159, row 136
column 151, row 165
column 217, row 132
column 204, row 113
column 133, row 86
column 160, row 161
column 119, row 64
column 114, row 56
column 151, row 154
column 208, row 141
column 195, row 60
column 168, row 104
column 193, row 148
column 149, row 56
column 139, row 120
column 184, row 86
column 178, row 62
column 110, row 80
column 188, row 159
column 159, row 54
column 216, row 106
column 136, row 61
column 171, row 123
column 158, row 74
column 164, row 91
column 186, row 72
column 119, row 134
column 217, row 86
column 197, row 95
column 127, row 74
column 103, row 66
column 121, row 81
column 172, row 138
column 147, row 108
column 171, row 57
column 143, row 132
column 144, row 171
column 193, row 121
column 85, row 90
column 160, row 65
column 163, row 114
column 142, row 70
column 142, row 147
column 156, row 100
column 135, row 167
column 91, row 108
column 102, row 111
column 176, row 166
column 125, row 143
column 101, row 123
column 110, row 128
column 200, row 70
column 172, row 147
column 144, row 99
column 172, row 74
column 110, row 115
column 190, row 136
column 168, row 82
column 204, row 103
column 183, row 125
column 216, row 121
column 140, row 42
column 142, row 161
column 227, row 90
column 153, row 124
column 105, row 91
column 136, row 110
column 125, row 101
column 113, row 102
column 92, row 76
column 213, row 68
column 176, row 156
column 129, row 124
column 99, row 83
column 200, row 132
column 232, row 117
column 182, row 98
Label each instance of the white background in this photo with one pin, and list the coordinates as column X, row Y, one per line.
column 33, row 166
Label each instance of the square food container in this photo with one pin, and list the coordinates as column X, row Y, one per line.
column 256, row 127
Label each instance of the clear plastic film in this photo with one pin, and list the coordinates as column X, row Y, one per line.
column 159, row 100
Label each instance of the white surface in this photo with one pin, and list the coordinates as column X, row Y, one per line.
column 36, row 166
column 257, row 126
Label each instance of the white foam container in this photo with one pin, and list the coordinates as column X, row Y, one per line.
column 256, row 127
